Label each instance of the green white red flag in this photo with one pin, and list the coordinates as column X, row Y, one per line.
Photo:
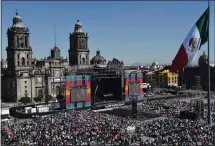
column 197, row 36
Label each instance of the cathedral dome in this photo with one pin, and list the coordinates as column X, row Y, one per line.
column 17, row 21
column 98, row 59
column 78, row 23
column 56, row 49
column 155, row 63
column 78, row 27
column 17, row 18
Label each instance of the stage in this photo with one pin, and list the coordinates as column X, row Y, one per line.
column 122, row 112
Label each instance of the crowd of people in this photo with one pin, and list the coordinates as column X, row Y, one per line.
column 89, row 128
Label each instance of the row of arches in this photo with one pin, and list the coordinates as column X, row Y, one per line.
column 22, row 63
column 18, row 56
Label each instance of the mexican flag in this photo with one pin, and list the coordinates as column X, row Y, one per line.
column 197, row 36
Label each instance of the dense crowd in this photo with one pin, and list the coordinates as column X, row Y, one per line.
column 88, row 128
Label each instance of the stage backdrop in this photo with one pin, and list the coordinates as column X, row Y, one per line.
column 80, row 85
column 133, row 78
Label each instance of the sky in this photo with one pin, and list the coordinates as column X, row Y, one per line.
column 133, row 32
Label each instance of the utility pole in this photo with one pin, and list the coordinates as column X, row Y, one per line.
column 209, row 74
column 31, row 75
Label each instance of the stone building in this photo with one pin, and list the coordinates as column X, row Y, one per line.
column 23, row 75
column 188, row 75
column 98, row 59
column 156, row 66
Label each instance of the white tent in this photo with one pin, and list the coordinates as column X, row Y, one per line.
column 131, row 129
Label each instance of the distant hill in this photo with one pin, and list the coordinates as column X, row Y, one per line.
column 137, row 64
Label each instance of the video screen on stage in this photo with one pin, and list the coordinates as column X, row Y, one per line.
column 133, row 88
column 78, row 94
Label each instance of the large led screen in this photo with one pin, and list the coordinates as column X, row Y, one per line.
column 78, row 94
column 133, row 89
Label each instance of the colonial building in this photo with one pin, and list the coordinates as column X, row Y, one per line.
column 23, row 75
column 166, row 78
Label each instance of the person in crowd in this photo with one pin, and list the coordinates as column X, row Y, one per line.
column 89, row 128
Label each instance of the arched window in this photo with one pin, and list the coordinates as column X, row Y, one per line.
column 23, row 61
column 27, row 55
column 80, row 59
column 17, row 56
column 57, row 90
column 26, row 41
column 17, row 41
column 18, row 63
column 22, row 45
column 83, row 60
column 40, row 93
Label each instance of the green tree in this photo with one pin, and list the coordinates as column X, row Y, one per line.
column 60, row 98
column 25, row 100
column 38, row 99
column 48, row 98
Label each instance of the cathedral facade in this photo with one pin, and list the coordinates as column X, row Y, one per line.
column 23, row 75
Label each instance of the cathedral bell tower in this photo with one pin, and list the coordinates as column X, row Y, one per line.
column 78, row 51
column 19, row 51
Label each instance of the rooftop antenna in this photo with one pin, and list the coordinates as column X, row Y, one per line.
column 54, row 36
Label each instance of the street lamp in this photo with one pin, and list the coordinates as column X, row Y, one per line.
column 31, row 75
column 16, row 76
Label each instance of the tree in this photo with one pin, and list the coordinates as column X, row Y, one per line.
column 38, row 99
column 60, row 98
column 48, row 98
column 25, row 100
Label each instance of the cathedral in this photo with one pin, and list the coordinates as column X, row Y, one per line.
column 23, row 75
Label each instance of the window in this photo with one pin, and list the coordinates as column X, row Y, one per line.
column 40, row 93
column 26, row 91
column 27, row 55
column 17, row 56
column 26, row 41
column 27, row 63
column 83, row 60
column 25, row 82
column 23, row 61
column 17, row 41
column 57, row 90
column 18, row 63
column 25, row 86
column 22, row 45
column 98, row 62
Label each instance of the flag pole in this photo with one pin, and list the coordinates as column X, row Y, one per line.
column 209, row 75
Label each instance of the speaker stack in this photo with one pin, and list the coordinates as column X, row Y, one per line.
column 188, row 115
column 197, row 113
column 202, row 109
column 198, row 108
column 197, row 83
column 134, row 108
